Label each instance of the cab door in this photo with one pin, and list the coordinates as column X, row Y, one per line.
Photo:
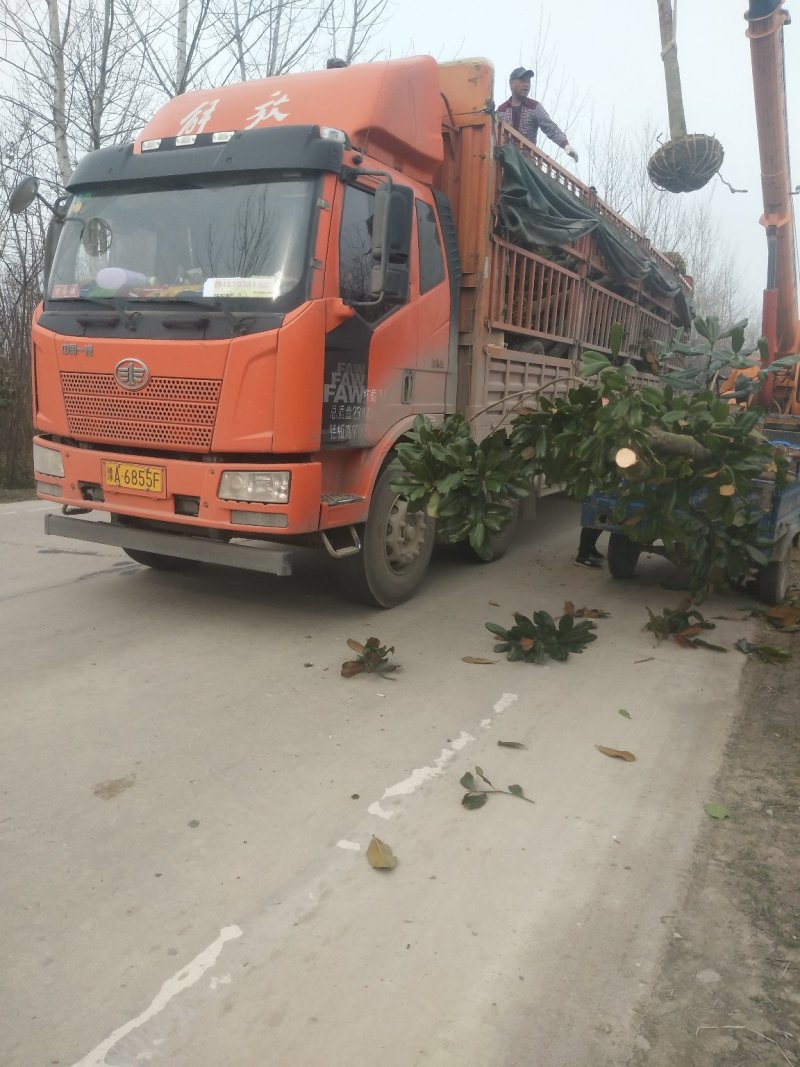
column 371, row 357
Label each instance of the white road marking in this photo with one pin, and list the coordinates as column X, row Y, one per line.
column 418, row 777
column 505, row 702
column 348, row 846
column 184, row 979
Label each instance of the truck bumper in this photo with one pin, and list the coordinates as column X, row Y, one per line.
column 268, row 559
column 188, row 493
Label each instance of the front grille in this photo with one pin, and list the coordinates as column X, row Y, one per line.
column 178, row 412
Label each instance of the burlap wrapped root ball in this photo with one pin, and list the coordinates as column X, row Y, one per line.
column 686, row 164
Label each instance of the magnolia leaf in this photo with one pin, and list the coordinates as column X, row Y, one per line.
column 477, row 659
column 616, row 753
column 380, row 855
column 717, row 811
column 355, row 645
column 480, row 774
column 473, row 801
column 625, row 714
column 765, row 653
column 783, row 616
column 351, row 667
column 511, row 744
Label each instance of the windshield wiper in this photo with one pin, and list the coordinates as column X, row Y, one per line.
column 110, row 305
column 238, row 325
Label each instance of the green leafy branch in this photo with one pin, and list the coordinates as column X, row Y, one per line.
column 683, row 624
column 476, row 795
column 690, row 460
column 372, row 658
column 469, row 487
column 533, row 640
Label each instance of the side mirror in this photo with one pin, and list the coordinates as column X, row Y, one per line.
column 23, row 195
column 391, row 242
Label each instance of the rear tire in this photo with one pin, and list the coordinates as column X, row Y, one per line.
column 159, row 563
column 773, row 579
column 396, row 547
column 623, row 555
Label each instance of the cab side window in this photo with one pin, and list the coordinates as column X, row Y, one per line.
column 431, row 259
column 355, row 244
column 355, row 248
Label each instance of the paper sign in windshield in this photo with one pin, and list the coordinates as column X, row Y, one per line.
column 266, row 288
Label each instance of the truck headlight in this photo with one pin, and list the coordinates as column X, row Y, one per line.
column 265, row 487
column 48, row 461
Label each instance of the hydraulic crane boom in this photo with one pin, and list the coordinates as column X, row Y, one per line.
column 780, row 323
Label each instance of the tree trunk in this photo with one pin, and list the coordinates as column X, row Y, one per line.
column 59, row 93
column 180, row 47
column 672, row 74
column 678, row 444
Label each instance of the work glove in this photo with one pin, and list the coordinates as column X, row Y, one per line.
column 571, row 152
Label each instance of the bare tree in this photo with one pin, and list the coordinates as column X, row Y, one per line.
column 617, row 161
column 81, row 74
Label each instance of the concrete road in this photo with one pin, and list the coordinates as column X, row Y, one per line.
column 189, row 788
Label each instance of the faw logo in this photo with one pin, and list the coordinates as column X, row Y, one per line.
column 131, row 374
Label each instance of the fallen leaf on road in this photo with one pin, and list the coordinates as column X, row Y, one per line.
column 351, row 667
column 473, row 801
column 717, row 811
column 355, row 645
column 511, row 744
column 625, row 714
column 783, row 617
column 584, row 613
column 494, row 603
column 616, row 753
column 477, row 659
column 765, row 653
column 380, row 855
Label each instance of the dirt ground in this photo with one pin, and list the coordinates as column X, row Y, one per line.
column 729, row 988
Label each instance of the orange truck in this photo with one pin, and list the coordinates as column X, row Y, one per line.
column 246, row 309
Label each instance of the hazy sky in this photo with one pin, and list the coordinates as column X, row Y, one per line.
column 611, row 51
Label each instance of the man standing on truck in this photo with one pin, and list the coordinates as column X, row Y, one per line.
column 528, row 116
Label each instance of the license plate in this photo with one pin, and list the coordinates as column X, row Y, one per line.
column 134, row 478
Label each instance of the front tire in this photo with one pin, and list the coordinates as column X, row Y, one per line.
column 623, row 555
column 159, row 563
column 396, row 547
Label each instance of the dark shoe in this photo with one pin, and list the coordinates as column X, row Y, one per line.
column 587, row 561
column 594, row 554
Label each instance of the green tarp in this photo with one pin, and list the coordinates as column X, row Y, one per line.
column 534, row 209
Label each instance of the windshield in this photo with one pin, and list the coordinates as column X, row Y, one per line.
column 238, row 241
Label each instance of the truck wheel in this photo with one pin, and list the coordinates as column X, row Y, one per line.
column 773, row 579
column 159, row 563
column 499, row 544
column 396, row 546
column 623, row 555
